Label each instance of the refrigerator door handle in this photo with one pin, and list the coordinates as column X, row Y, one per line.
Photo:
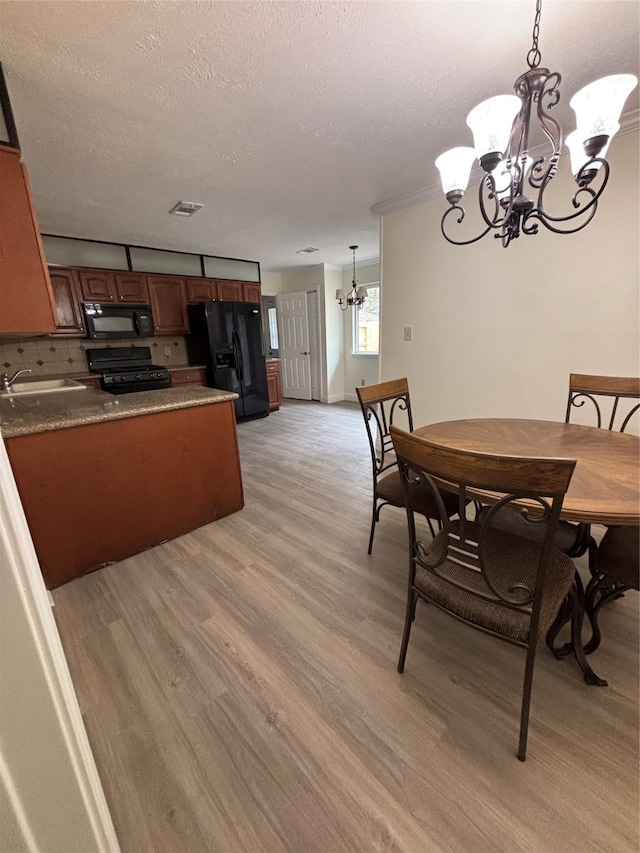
column 238, row 356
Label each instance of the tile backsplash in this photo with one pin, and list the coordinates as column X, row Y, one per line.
column 46, row 356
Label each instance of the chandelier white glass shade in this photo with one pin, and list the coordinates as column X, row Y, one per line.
column 511, row 193
column 353, row 298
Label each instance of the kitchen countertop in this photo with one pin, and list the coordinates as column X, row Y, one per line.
column 44, row 412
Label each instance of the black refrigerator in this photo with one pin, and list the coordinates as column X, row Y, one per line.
column 227, row 338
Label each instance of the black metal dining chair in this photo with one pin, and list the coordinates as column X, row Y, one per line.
column 595, row 391
column 505, row 585
column 616, row 569
column 382, row 405
column 602, row 396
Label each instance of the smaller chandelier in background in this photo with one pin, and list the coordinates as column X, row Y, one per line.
column 501, row 128
column 353, row 299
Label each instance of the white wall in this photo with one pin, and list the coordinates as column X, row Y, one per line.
column 496, row 331
column 358, row 367
column 271, row 282
column 335, row 336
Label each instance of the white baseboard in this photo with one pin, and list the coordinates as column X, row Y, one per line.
column 351, row 398
column 334, row 398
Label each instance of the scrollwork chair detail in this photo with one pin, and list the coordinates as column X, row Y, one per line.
column 382, row 405
column 505, row 585
column 587, row 390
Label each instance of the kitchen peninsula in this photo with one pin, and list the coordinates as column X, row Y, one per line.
column 103, row 477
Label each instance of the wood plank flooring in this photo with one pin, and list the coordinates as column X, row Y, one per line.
column 240, row 692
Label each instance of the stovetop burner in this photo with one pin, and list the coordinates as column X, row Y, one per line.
column 124, row 370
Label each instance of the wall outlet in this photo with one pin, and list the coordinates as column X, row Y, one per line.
column 167, row 352
column 408, row 333
column 361, row 383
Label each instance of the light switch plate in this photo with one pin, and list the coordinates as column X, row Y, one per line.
column 408, row 333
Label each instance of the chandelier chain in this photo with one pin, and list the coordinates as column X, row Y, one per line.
column 534, row 56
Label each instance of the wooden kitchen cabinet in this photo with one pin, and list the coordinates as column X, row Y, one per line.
column 107, row 286
column 168, row 298
column 97, row 285
column 274, row 385
column 132, row 287
column 201, row 290
column 26, row 296
column 65, row 285
column 188, row 376
column 97, row 493
column 251, row 292
column 229, row 291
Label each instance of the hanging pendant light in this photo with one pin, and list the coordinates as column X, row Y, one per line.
column 500, row 128
column 353, row 300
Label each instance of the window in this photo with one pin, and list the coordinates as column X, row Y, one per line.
column 273, row 328
column 366, row 323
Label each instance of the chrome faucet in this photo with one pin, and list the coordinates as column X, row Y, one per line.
column 7, row 381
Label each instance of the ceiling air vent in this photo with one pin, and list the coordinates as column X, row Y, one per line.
column 186, row 208
column 307, row 251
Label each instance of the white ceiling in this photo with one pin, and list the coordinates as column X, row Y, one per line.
column 287, row 120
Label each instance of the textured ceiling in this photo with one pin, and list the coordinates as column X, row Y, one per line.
column 287, row 120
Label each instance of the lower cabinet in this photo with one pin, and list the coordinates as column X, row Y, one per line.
column 148, row 478
column 91, row 382
column 274, row 385
column 188, row 376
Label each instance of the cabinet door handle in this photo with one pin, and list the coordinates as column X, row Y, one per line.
column 306, row 352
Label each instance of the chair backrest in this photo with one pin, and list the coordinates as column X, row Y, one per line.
column 478, row 546
column 383, row 405
column 584, row 388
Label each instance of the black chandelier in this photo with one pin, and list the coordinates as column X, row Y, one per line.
column 500, row 129
column 353, row 300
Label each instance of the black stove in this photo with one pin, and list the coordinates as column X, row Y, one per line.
column 124, row 370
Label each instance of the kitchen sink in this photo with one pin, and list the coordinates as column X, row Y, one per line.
column 43, row 386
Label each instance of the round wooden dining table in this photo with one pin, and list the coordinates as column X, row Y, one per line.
column 605, row 487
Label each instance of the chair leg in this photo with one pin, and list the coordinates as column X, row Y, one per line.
column 600, row 590
column 576, row 637
column 409, row 617
column 563, row 617
column 526, row 700
column 374, row 518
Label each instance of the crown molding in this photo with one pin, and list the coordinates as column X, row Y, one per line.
column 368, row 263
column 629, row 123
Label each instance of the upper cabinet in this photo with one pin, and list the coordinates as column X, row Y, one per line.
column 251, row 291
column 229, row 291
column 107, row 286
column 168, row 297
column 26, row 298
column 201, row 290
column 66, row 290
column 132, row 287
column 97, row 286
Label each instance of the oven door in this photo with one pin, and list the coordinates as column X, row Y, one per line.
column 117, row 322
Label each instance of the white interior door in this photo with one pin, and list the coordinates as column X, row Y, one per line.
column 295, row 374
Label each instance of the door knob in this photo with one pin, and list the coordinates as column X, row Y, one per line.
column 305, row 353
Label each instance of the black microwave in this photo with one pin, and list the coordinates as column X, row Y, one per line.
column 116, row 322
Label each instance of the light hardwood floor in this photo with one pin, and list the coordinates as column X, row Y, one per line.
column 240, row 692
